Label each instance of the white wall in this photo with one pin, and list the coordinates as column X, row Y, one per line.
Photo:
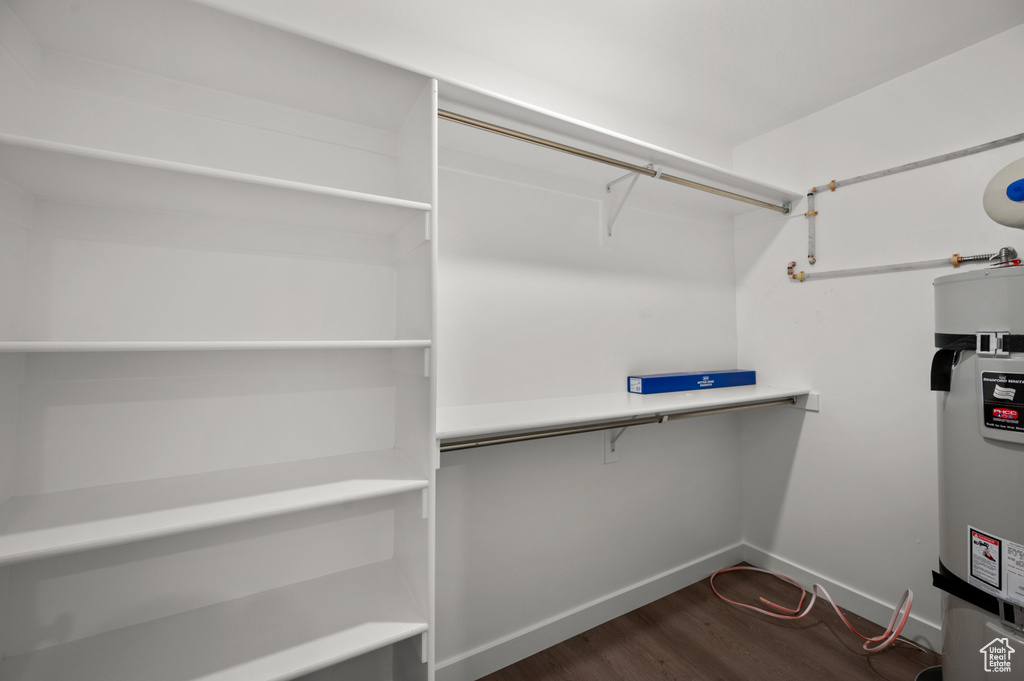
column 850, row 493
column 534, row 303
column 366, row 34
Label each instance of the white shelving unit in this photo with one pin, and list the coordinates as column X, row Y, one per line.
column 217, row 258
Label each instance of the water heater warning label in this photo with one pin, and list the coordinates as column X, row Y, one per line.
column 986, row 559
column 1002, row 399
column 996, row 566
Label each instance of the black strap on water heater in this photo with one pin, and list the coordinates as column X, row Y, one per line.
column 953, row 585
column 956, row 341
column 950, row 344
column 969, row 341
column 942, row 369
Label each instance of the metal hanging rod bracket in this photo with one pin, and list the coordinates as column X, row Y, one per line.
column 610, row 436
column 501, row 439
column 608, row 187
column 615, row 435
column 600, row 158
column 610, row 455
column 618, row 209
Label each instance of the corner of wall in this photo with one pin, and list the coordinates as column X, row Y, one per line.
column 823, row 334
column 918, row 629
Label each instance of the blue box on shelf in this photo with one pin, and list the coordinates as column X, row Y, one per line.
column 694, row 380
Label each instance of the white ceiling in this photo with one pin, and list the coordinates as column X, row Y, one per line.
column 729, row 70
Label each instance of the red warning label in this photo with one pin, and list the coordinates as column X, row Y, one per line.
column 986, row 559
column 996, row 566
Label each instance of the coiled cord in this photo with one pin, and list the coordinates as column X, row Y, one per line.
column 872, row 644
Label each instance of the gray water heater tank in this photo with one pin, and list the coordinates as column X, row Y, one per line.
column 979, row 321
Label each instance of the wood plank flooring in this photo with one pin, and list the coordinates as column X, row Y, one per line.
column 692, row 635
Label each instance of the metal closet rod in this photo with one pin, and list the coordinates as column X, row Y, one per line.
column 607, row 160
column 608, row 425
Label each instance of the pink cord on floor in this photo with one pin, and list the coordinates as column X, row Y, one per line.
column 873, row 644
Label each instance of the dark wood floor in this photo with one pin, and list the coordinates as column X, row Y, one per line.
column 692, row 635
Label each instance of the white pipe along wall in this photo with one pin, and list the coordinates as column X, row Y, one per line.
column 851, row 498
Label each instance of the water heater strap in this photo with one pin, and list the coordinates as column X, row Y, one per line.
column 969, row 341
column 956, row 341
column 953, row 585
column 942, row 369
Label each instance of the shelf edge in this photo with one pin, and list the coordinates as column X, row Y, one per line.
column 108, row 532
column 212, row 173
column 718, row 400
column 185, row 346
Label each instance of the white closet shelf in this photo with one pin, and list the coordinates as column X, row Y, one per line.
column 199, row 345
column 270, row 636
column 492, row 107
column 454, row 423
column 65, row 172
column 39, row 526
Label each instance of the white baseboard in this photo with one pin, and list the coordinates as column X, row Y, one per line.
column 497, row 654
column 919, row 630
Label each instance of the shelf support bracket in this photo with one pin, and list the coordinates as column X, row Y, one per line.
column 809, row 402
column 632, row 177
column 613, row 435
column 610, row 438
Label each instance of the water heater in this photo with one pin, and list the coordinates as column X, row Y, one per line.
column 978, row 372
